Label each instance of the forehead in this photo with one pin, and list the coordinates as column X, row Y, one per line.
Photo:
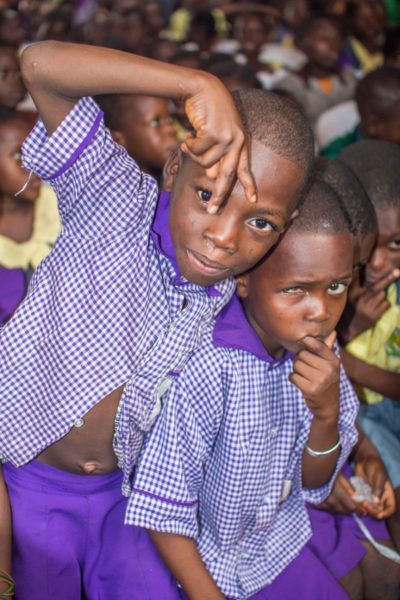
column 8, row 58
column 13, row 133
column 389, row 220
column 143, row 106
column 310, row 256
column 322, row 27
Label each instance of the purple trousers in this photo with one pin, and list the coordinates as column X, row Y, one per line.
column 70, row 541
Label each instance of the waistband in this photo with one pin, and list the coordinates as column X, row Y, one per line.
column 37, row 475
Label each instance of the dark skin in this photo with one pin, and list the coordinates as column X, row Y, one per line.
column 12, row 89
column 369, row 302
column 147, row 131
column 322, row 45
column 211, row 242
column 16, row 213
column 293, row 302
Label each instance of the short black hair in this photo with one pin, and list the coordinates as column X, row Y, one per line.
column 377, row 165
column 230, row 69
column 277, row 124
column 378, row 92
column 320, row 211
column 351, row 194
column 309, row 23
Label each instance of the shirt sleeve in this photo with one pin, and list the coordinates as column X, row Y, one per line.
column 169, row 473
column 348, row 437
column 99, row 187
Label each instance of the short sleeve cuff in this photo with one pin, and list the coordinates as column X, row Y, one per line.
column 50, row 157
column 153, row 512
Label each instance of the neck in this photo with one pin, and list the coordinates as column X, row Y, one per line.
column 274, row 348
column 312, row 70
column 16, row 219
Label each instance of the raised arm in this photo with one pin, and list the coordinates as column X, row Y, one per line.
column 58, row 74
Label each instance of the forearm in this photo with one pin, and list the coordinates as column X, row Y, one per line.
column 181, row 556
column 58, row 74
column 317, row 470
column 376, row 379
column 5, row 527
column 364, row 447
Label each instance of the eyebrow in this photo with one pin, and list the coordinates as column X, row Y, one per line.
column 312, row 281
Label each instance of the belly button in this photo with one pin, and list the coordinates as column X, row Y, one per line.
column 90, row 467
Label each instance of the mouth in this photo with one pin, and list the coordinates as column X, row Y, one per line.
column 204, row 265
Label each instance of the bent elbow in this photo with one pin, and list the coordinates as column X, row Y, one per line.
column 33, row 61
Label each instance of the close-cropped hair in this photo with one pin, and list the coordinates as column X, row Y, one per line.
column 320, row 211
column 312, row 20
column 277, row 124
column 351, row 194
column 378, row 92
column 376, row 163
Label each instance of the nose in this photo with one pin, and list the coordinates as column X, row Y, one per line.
column 377, row 260
column 222, row 232
column 318, row 310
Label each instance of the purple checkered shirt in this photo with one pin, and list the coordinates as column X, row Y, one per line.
column 222, row 463
column 106, row 308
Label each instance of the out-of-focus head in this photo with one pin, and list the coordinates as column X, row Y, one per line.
column 378, row 101
column 12, row 89
column 321, row 37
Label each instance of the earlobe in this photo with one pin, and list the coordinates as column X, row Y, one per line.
column 171, row 168
column 242, row 287
column 119, row 137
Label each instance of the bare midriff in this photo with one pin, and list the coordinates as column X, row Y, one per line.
column 88, row 449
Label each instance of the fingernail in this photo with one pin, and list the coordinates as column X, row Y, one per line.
column 253, row 198
column 212, row 210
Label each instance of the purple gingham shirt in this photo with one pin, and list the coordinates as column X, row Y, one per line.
column 107, row 307
column 222, row 463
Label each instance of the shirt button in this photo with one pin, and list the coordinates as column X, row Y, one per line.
column 273, row 431
column 79, row 423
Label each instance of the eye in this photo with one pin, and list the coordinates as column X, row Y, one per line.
column 293, row 290
column 154, row 123
column 262, row 224
column 204, row 195
column 336, row 288
column 394, row 245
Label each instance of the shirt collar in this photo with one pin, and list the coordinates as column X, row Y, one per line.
column 162, row 239
column 232, row 330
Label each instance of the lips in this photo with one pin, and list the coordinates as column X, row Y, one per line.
column 204, row 265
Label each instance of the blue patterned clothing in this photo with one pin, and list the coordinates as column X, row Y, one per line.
column 222, row 463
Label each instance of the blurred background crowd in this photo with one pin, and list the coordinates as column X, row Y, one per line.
column 316, row 52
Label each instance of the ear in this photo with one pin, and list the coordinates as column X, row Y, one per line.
column 119, row 137
column 370, row 126
column 171, row 169
column 242, row 286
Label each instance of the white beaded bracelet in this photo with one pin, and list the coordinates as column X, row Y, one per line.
column 315, row 453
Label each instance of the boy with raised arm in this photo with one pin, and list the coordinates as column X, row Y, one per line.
column 116, row 310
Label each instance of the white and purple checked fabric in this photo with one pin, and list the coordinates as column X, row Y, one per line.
column 104, row 308
column 230, row 434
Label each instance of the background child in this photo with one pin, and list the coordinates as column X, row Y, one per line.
column 371, row 358
column 226, row 502
column 144, row 126
column 337, row 538
column 320, row 83
column 29, row 222
column 152, row 269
